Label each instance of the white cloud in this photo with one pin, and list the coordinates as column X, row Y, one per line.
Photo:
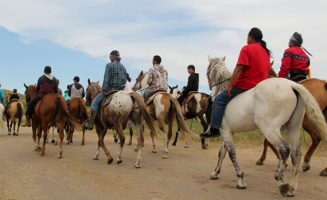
column 182, row 32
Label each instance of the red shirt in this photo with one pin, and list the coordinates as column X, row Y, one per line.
column 256, row 63
column 294, row 58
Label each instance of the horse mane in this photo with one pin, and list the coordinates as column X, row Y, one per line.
column 218, row 75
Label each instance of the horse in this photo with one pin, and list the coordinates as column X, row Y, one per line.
column 318, row 89
column 1, row 114
column 273, row 103
column 163, row 107
column 115, row 111
column 15, row 111
column 52, row 108
column 197, row 105
column 95, row 89
column 77, row 108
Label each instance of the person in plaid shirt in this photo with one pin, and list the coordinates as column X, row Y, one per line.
column 114, row 79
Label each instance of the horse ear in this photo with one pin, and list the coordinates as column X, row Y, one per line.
column 169, row 87
column 98, row 81
column 25, row 86
column 141, row 73
column 224, row 58
column 89, row 81
column 272, row 63
column 177, row 86
column 209, row 58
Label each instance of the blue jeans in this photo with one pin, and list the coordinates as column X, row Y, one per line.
column 96, row 101
column 219, row 106
column 146, row 94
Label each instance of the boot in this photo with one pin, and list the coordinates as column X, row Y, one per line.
column 212, row 132
column 28, row 122
column 91, row 120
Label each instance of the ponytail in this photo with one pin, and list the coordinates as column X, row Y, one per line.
column 256, row 34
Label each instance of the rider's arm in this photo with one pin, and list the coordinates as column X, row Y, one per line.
column 286, row 65
column 39, row 82
column 236, row 74
column 106, row 78
column 150, row 76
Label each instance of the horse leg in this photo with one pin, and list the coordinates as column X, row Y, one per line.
column 14, row 129
column 170, row 130
column 115, row 136
column 264, row 153
column 130, row 133
column 161, row 122
column 8, row 127
column 119, row 130
column 315, row 142
column 205, row 127
column 140, row 139
column 101, row 136
column 176, row 136
column 221, row 156
column 39, row 135
column 18, row 126
column 61, row 134
column 83, row 137
column 45, row 135
column 11, row 122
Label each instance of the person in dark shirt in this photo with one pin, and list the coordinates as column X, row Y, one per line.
column 13, row 97
column 46, row 84
column 192, row 84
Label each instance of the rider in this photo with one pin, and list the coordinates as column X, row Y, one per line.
column 157, row 78
column 295, row 61
column 45, row 85
column 13, row 97
column 76, row 90
column 192, row 83
column 66, row 95
column 252, row 67
column 114, row 79
column 2, row 96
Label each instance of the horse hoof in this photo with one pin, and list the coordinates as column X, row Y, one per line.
column 241, row 185
column 164, row 156
column 83, row 144
column 95, row 158
column 305, row 167
column 119, row 161
column 174, row 144
column 116, row 140
column 204, row 147
column 137, row 166
column 53, row 141
column 154, row 151
column 136, row 148
column 9, row 133
column 284, row 188
column 60, row 157
column 110, row 160
column 186, row 146
column 42, row 154
column 129, row 144
column 259, row 162
column 213, row 176
column 323, row 172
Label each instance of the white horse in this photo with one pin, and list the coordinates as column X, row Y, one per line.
column 273, row 103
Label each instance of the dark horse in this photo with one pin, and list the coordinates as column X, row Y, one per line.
column 196, row 105
column 52, row 108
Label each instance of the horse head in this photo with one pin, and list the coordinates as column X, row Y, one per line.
column 92, row 90
column 30, row 92
column 174, row 91
column 141, row 82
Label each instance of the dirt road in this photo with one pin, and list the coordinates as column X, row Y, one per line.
column 184, row 175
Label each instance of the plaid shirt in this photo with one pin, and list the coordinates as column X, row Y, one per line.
column 114, row 77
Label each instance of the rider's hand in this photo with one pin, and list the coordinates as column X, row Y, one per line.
column 229, row 88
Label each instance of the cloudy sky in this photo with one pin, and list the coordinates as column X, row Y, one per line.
column 76, row 36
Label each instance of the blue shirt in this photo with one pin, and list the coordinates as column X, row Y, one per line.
column 2, row 96
column 114, row 77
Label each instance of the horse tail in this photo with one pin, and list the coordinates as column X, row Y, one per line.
column 326, row 85
column 83, row 109
column 19, row 111
column 147, row 117
column 62, row 107
column 180, row 118
column 313, row 111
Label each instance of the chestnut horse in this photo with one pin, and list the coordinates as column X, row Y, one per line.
column 15, row 111
column 114, row 113
column 52, row 108
column 163, row 107
column 318, row 89
column 199, row 105
column 77, row 108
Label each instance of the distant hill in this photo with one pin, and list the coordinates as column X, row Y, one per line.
column 21, row 97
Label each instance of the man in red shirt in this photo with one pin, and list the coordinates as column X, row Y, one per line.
column 295, row 61
column 252, row 67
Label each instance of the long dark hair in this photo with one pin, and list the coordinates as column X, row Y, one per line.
column 257, row 36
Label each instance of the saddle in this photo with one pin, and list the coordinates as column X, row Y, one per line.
column 190, row 95
column 108, row 97
column 14, row 100
column 154, row 94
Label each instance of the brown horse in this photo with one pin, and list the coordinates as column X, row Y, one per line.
column 52, row 108
column 196, row 106
column 164, row 107
column 15, row 111
column 77, row 108
column 318, row 89
column 115, row 112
